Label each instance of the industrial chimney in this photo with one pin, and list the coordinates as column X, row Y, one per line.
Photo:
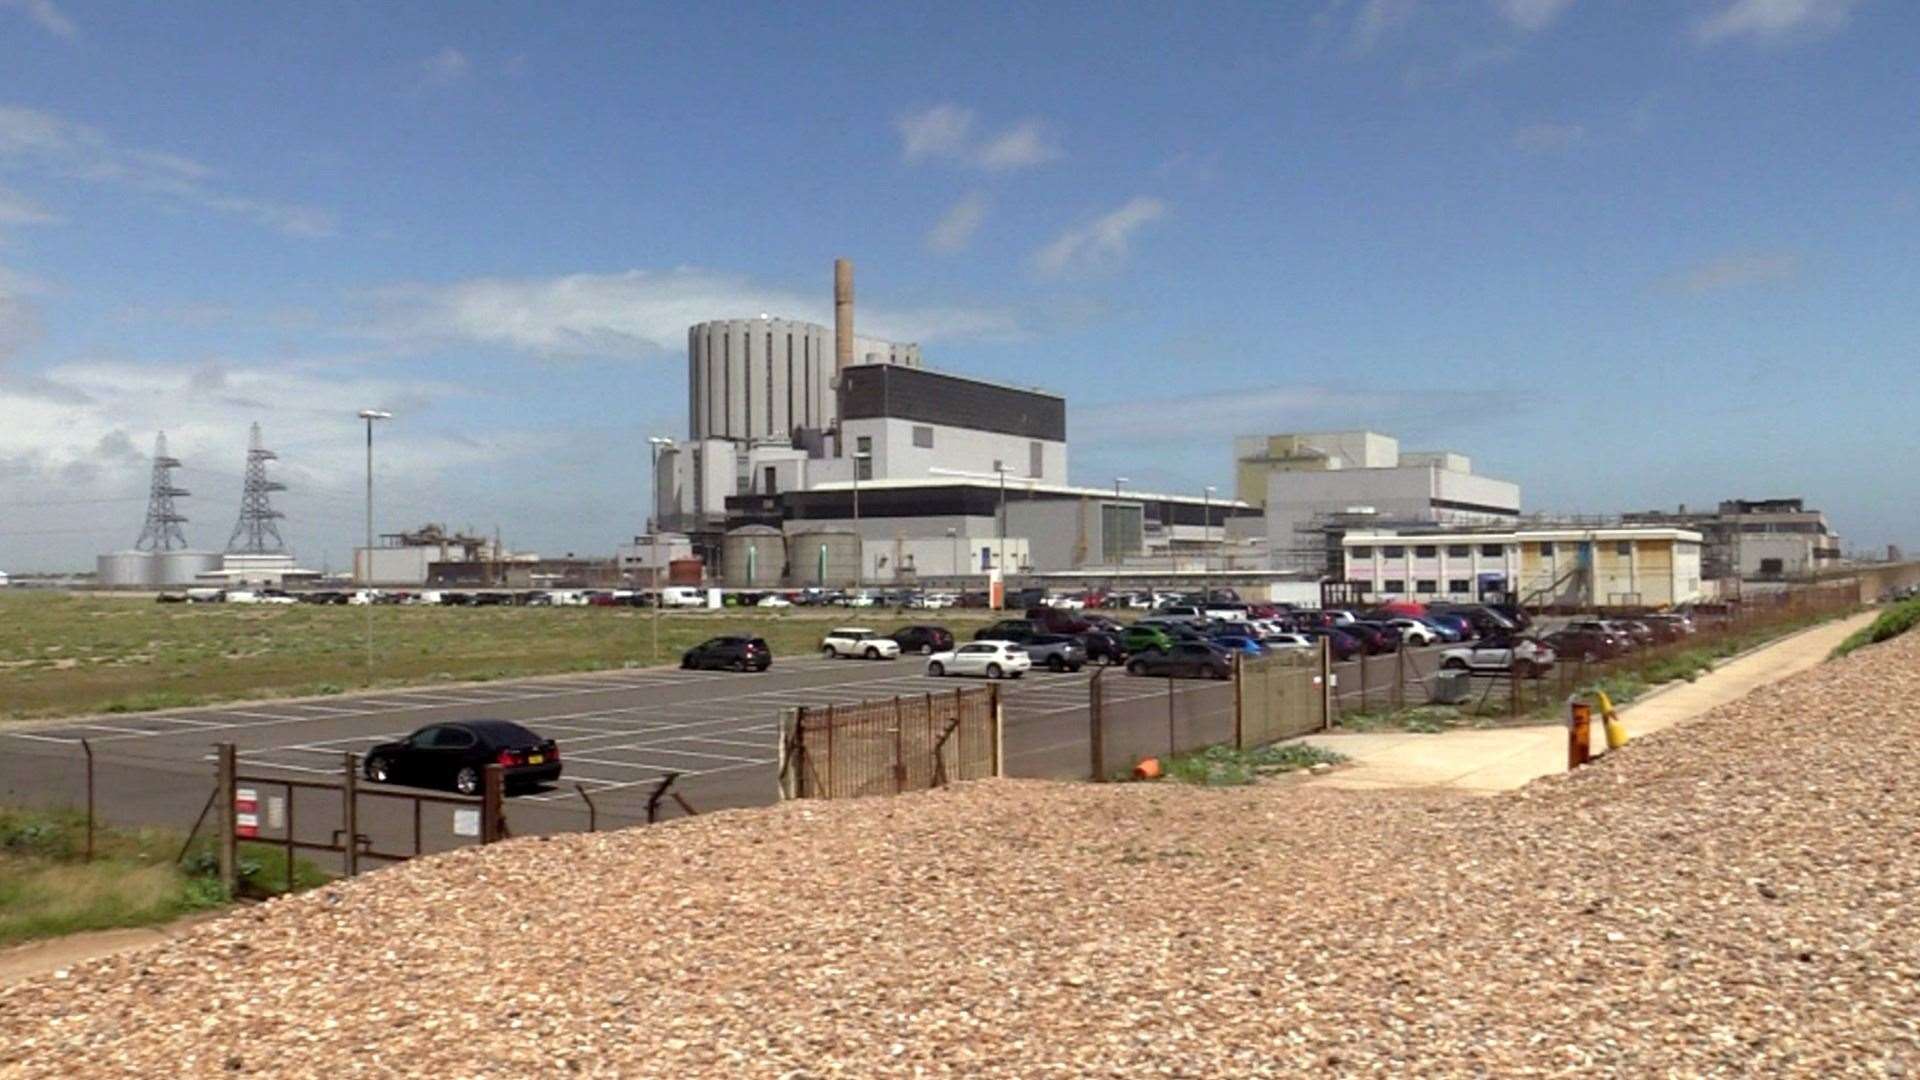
column 842, row 315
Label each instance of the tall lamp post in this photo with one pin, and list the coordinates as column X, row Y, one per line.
column 655, row 444
column 860, row 458
column 370, row 415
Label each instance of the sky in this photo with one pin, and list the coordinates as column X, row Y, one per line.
column 1629, row 255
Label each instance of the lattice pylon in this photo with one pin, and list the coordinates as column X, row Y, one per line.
column 255, row 533
column 162, row 531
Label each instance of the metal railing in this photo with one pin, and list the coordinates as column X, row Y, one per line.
column 891, row 745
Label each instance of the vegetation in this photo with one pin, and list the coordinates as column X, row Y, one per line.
column 48, row 889
column 1891, row 623
column 65, row 654
column 1224, row 766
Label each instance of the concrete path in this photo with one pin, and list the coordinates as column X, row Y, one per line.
column 56, row 954
column 1485, row 762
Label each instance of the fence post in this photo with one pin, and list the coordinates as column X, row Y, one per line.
column 1400, row 677
column 87, row 748
column 1327, row 698
column 1173, row 746
column 1363, row 658
column 780, row 779
column 1096, row 726
column 899, row 747
column 492, row 823
column 228, row 840
column 999, row 742
column 350, row 811
column 1239, row 702
column 827, row 781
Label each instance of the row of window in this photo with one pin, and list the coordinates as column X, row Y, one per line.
column 1461, row 551
column 1426, row 586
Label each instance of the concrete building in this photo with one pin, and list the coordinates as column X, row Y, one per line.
column 1315, row 487
column 645, row 562
column 1623, row 566
column 1756, row 539
column 408, row 558
column 768, row 378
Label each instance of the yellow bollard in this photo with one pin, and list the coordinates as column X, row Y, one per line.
column 1616, row 731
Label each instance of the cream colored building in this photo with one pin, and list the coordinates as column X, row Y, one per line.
column 1621, row 566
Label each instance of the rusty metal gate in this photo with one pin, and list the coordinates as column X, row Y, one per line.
column 891, row 745
column 1280, row 696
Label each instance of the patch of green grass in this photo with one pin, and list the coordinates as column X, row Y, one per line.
column 1224, row 766
column 1889, row 624
column 48, row 889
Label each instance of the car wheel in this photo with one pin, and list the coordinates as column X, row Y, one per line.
column 936, row 669
column 927, row 649
column 873, row 653
column 1136, row 668
column 686, row 663
column 827, row 653
column 378, row 770
column 1056, row 665
column 740, row 665
column 1455, row 664
column 993, row 671
column 467, row 781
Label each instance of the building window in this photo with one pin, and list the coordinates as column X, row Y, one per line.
column 863, row 468
column 1624, row 547
column 1393, row 585
column 923, row 436
column 863, row 444
column 1393, row 551
column 1425, row 551
column 1426, row 585
column 773, row 483
column 1492, row 551
column 1772, row 566
column 1458, row 585
column 1546, row 547
column 1036, row 460
column 1458, row 551
column 1362, row 552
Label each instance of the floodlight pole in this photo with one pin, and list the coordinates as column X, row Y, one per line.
column 655, row 444
column 370, row 415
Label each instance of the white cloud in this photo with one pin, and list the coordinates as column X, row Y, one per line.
column 1768, row 20
column 1100, row 244
column 955, row 230
column 947, row 132
column 1376, row 19
column 635, row 312
column 1531, row 14
column 446, row 67
column 68, row 150
column 43, row 12
column 1546, row 138
column 17, row 209
column 1736, row 271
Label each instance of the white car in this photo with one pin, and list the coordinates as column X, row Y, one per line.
column 774, row 600
column 993, row 659
column 859, row 642
column 1522, row 657
column 1415, row 632
column 1288, row 640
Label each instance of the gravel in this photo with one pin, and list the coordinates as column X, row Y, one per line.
column 1735, row 896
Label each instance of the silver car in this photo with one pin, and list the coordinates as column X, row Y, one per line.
column 1056, row 652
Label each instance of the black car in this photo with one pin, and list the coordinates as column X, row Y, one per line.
column 1008, row 630
column 728, row 654
column 456, row 755
column 923, row 639
column 1186, row 660
column 1104, row 647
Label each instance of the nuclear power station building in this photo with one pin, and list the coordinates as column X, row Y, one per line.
column 805, row 465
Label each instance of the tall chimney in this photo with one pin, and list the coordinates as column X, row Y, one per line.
column 842, row 315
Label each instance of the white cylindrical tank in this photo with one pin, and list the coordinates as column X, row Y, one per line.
column 173, row 569
column 124, row 569
column 753, row 556
column 824, row 558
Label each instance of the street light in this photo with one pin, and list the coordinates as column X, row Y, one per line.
column 370, row 415
column 860, row 457
column 655, row 444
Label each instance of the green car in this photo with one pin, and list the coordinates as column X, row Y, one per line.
column 1143, row 638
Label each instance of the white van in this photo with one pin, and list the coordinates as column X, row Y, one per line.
column 683, row 596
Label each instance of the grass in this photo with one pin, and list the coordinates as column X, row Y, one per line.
column 1890, row 623
column 66, row 654
column 1224, row 766
column 48, row 890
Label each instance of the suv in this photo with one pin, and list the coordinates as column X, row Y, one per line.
column 729, row 653
column 1056, row 620
column 1057, row 651
column 1145, row 637
column 1007, row 630
column 1103, row 647
column 858, row 642
column 1524, row 657
column 923, row 639
column 1187, row 659
column 1584, row 642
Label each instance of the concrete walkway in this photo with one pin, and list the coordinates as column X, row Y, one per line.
column 1485, row 762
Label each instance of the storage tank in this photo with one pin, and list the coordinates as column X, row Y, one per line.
column 125, row 569
column 173, row 569
column 685, row 572
column 826, row 558
column 753, row 556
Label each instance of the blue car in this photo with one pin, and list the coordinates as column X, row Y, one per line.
column 1462, row 629
column 1240, row 644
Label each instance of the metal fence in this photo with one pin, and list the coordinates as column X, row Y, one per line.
column 1280, row 696
column 891, row 745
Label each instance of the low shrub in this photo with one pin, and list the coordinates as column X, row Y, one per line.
column 1890, row 624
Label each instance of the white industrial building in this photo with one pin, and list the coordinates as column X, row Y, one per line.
column 1622, row 566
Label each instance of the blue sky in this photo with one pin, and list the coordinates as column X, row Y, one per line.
column 1628, row 255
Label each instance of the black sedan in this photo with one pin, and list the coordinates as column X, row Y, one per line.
column 924, row 639
column 1104, row 647
column 1185, row 660
column 729, row 654
column 456, row 755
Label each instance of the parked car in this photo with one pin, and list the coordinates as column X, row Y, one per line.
column 774, row 600
column 1240, row 643
column 1413, row 631
column 1681, row 623
column 1057, row 620
column 1185, row 660
column 1342, row 645
column 1145, row 637
column 1522, row 656
column 681, row 596
column 858, row 641
column 1007, row 630
column 1459, row 624
column 1373, row 637
column 993, row 659
column 733, row 653
column 923, row 639
column 1104, row 647
column 456, row 754
column 1586, row 645
column 1057, row 652
column 1289, row 640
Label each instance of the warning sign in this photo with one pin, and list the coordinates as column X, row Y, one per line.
column 246, row 812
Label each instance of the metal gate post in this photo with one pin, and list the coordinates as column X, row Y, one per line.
column 87, row 748
column 1239, row 702
column 1363, row 658
column 350, row 810
column 1172, row 744
column 1400, row 677
column 1096, row 726
column 492, row 823
column 228, row 841
column 999, row 742
column 828, row 781
column 899, row 748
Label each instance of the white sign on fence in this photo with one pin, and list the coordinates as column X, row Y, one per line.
column 276, row 812
column 466, row 823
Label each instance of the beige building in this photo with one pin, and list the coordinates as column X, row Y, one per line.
column 1623, row 566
